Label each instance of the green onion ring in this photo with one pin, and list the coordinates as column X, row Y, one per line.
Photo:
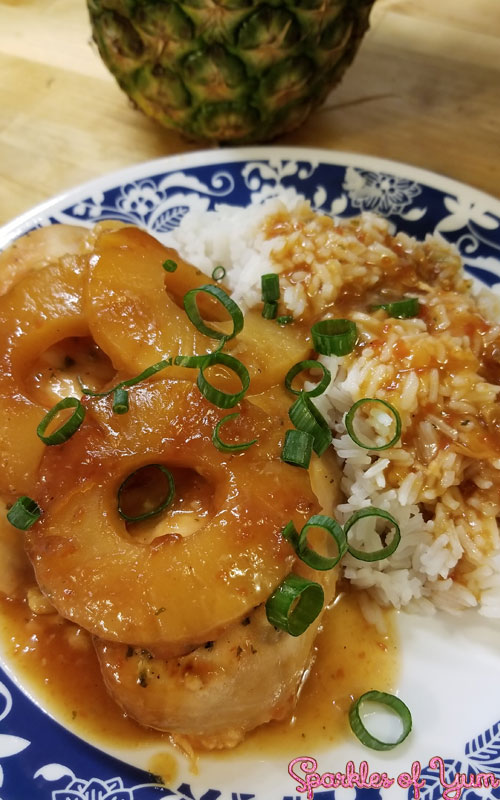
column 297, row 449
column 152, row 370
column 306, row 553
column 334, row 337
column 286, row 319
column 194, row 362
column 376, row 555
column 295, row 620
column 405, row 308
column 120, row 401
column 68, row 428
column 349, row 423
column 163, row 505
column 228, row 448
column 306, row 417
column 384, row 699
column 270, row 286
column 308, row 364
column 216, row 396
column 219, row 273
column 191, row 309
column 24, row 513
column 270, row 309
column 310, row 556
column 169, row 265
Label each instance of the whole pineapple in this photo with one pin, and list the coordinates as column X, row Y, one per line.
column 231, row 71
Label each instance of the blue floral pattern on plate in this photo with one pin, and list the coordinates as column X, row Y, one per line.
column 157, row 196
column 159, row 202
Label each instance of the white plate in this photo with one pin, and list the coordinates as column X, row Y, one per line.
column 450, row 667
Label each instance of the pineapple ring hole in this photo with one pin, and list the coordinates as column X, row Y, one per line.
column 190, row 509
column 54, row 374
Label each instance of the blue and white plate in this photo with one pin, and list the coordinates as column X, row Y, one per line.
column 450, row 668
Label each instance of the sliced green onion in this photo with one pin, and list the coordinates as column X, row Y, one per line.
column 295, row 604
column 231, row 307
column 68, row 428
column 297, row 449
column 401, row 309
column 309, row 364
column 270, row 309
column 349, row 423
column 152, row 370
column 24, row 513
column 334, row 337
column 286, row 319
column 169, row 265
column 216, row 396
column 376, row 555
column 384, row 699
column 219, row 273
column 306, row 417
column 228, row 448
column 270, row 284
column 306, row 553
column 120, row 401
column 193, row 362
column 160, row 507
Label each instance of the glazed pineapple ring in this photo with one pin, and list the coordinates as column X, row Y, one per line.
column 43, row 308
column 137, row 323
column 248, row 676
column 173, row 593
column 130, row 315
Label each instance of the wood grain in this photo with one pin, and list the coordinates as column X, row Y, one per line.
column 424, row 89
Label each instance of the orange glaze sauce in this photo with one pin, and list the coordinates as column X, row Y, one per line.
column 57, row 660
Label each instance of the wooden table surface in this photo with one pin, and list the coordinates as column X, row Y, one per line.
column 424, row 89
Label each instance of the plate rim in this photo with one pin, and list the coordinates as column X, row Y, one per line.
column 199, row 158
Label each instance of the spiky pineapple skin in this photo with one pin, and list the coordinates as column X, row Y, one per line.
column 233, row 71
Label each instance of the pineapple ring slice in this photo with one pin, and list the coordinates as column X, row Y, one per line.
column 44, row 307
column 136, row 316
column 172, row 593
column 200, row 694
column 130, row 315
